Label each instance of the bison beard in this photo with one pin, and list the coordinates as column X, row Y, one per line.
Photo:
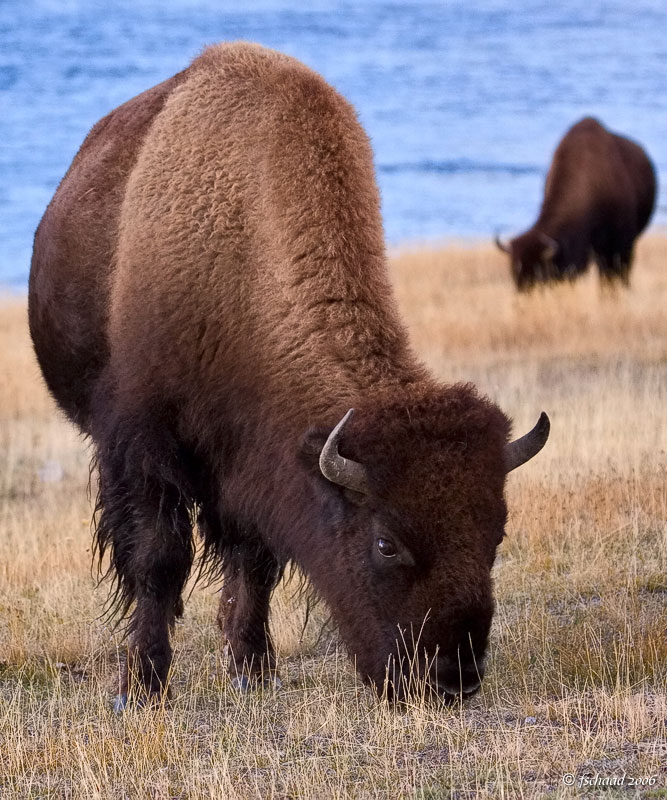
column 208, row 301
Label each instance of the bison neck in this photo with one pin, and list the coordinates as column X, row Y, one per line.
column 264, row 479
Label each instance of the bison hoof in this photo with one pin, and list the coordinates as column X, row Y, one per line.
column 120, row 704
column 123, row 702
column 241, row 684
column 244, row 684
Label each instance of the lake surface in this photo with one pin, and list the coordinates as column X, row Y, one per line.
column 464, row 101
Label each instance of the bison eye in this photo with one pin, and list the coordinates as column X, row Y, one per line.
column 386, row 548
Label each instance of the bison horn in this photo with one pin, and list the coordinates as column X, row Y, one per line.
column 521, row 450
column 338, row 469
column 550, row 244
column 501, row 245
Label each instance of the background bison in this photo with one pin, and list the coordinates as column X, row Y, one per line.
column 599, row 196
column 208, row 299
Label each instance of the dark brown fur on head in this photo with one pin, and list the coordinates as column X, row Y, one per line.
column 434, row 458
column 535, row 260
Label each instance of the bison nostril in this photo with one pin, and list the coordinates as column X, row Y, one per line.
column 452, row 684
column 454, row 679
column 464, row 688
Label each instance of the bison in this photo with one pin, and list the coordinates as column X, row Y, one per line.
column 209, row 301
column 599, row 196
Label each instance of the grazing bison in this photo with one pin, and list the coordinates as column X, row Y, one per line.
column 208, row 301
column 598, row 198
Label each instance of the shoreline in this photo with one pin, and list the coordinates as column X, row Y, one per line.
column 449, row 244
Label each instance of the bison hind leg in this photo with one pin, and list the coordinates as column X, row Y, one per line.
column 144, row 520
column 622, row 265
column 234, row 551
column 250, row 575
column 614, row 266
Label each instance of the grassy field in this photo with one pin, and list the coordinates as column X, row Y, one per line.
column 577, row 678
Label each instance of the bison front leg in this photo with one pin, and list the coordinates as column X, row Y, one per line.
column 243, row 616
column 145, row 522
column 161, row 578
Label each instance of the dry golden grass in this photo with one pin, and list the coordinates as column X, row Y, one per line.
column 577, row 680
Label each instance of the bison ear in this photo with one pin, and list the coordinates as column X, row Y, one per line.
column 312, row 445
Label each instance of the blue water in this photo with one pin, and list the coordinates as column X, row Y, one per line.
column 464, row 100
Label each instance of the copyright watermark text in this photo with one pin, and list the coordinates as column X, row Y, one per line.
column 581, row 781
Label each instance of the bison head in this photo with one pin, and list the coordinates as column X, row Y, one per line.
column 533, row 259
column 411, row 510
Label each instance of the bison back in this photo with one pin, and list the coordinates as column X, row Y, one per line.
column 74, row 251
column 641, row 173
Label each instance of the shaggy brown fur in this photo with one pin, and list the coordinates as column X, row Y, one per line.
column 209, row 295
column 599, row 196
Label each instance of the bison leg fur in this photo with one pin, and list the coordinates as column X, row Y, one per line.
column 145, row 522
column 614, row 267
column 159, row 568
column 149, row 649
column 243, row 616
